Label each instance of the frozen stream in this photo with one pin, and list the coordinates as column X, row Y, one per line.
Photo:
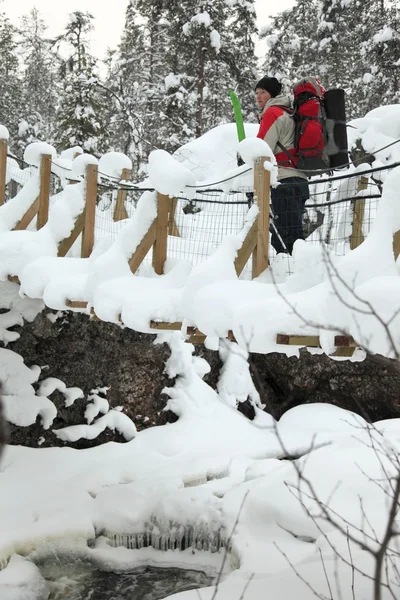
column 79, row 580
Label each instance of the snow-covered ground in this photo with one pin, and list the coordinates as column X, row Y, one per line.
column 213, row 472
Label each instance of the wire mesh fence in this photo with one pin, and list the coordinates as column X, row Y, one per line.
column 339, row 211
column 114, row 205
column 18, row 173
column 199, row 225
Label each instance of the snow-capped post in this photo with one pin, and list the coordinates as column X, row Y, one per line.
column 3, row 168
column 160, row 244
column 262, row 180
column 120, row 211
column 44, row 195
column 90, row 210
column 357, row 236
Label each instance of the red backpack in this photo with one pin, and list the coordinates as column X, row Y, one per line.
column 320, row 134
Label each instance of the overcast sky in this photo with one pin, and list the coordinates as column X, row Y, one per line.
column 109, row 16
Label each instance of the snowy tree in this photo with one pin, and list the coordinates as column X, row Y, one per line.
column 82, row 113
column 124, row 68
column 335, row 44
column 10, row 81
column 378, row 26
column 205, row 63
column 242, row 30
column 38, row 81
column 292, row 43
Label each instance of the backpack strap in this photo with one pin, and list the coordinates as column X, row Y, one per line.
column 290, row 112
column 286, row 151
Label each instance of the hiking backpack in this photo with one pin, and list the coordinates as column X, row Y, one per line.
column 320, row 121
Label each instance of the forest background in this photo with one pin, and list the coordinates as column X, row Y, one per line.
column 167, row 81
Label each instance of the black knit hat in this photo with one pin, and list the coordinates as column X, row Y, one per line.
column 271, row 85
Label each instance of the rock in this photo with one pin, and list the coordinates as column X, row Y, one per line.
column 93, row 354
column 370, row 388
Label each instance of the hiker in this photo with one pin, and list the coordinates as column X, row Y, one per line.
column 277, row 128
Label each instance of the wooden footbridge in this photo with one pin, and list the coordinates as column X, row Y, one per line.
column 254, row 248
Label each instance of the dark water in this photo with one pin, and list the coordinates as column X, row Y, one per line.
column 80, row 581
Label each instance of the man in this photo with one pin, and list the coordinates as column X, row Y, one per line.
column 277, row 128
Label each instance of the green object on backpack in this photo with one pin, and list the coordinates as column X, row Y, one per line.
column 237, row 111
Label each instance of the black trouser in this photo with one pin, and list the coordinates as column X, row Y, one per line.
column 288, row 201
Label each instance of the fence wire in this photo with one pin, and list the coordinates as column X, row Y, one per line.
column 18, row 174
column 199, row 225
column 114, row 205
column 339, row 212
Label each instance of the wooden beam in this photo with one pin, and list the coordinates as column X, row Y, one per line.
column 143, row 248
column 76, row 303
column 90, row 211
column 120, row 211
column 191, row 331
column 44, row 195
column 298, row 340
column 164, row 326
column 344, row 352
column 160, row 243
column 3, row 170
column 262, row 179
column 198, row 335
column 65, row 245
column 199, row 338
column 172, row 226
column 28, row 216
column 342, row 343
column 357, row 235
column 247, row 248
column 345, row 341
column 14, row 279
column 396, row 244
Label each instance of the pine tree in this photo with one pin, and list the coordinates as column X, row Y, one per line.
column 242, row 30
column 10, row 82
column 378, row 25
column 335, row 44
column 82, row 115
column 38, row 81
column 292, row 43
column 205, row 63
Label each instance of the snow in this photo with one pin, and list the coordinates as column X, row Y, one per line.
column 21, row 579
column 33, row 153
column 212, row 471
column 80, row 163
column 167, row 175
column 4, row 134
column 114, row 420
column 200, row 472
column 22, row 405
column 215, row 40
column 113, row 163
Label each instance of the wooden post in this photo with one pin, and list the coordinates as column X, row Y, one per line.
column 120, row 211
column 396, row 244
column 90, row 211
column 44, row 194
column 172, row 226
column 3, row 168
column 262, row 179
column 248, row 247
column 160, row 244
column 357, row 236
